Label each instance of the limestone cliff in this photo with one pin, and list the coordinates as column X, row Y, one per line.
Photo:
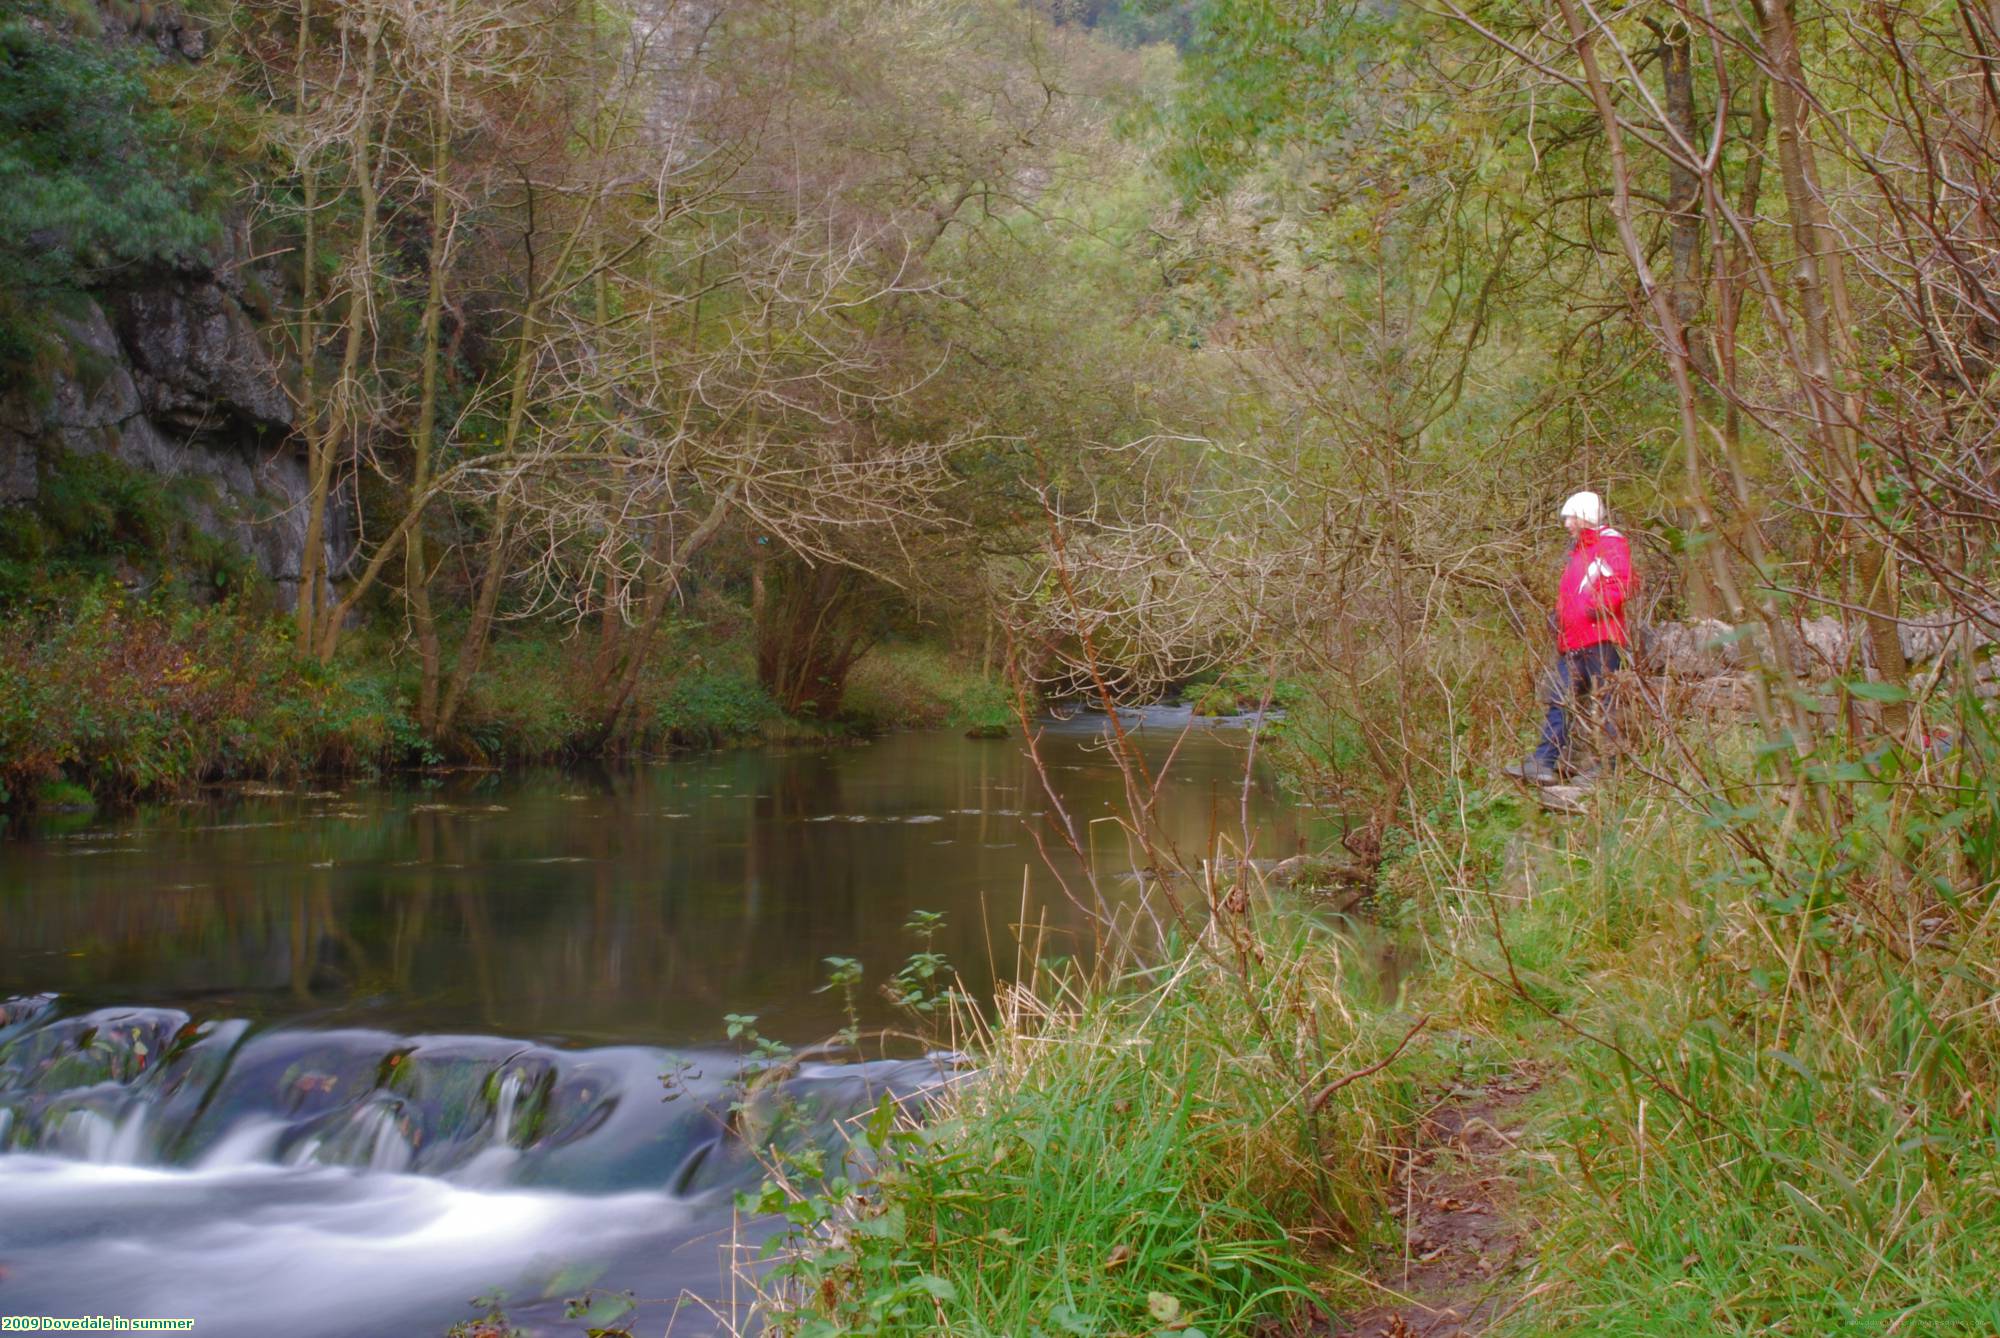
column 179, row 376
column 172, row 366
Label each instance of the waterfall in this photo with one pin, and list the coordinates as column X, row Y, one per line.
column 153, row 1087
column 357, row 1181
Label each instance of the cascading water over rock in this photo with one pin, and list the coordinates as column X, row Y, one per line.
column 202, row 1149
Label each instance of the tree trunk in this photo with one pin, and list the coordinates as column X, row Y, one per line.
column 809, row 641
column 472, row 650
column 312, row 609
column 1684, row 199
column 1684, row 251
column 416, row 567
column 659, row 599
column 308, row 317
column 1830, row 374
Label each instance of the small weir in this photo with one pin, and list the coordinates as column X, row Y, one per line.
column 158, row 1163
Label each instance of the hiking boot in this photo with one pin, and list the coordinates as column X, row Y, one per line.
column 1534, row 771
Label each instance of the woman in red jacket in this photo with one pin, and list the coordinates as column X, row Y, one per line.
column 1590, row 631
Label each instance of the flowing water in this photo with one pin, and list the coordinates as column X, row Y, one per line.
column 334, row 1062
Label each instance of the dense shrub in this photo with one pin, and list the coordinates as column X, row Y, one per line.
column 129, row 697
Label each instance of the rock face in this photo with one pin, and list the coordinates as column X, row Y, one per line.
column 176, row 377
column 1698, row 648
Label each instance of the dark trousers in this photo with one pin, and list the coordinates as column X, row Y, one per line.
column 1578, row 675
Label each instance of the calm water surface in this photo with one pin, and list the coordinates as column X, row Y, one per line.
column 331, row 1062
column 640, row 905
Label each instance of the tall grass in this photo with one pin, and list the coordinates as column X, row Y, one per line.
column 1780, row 1043
column 1761, row 989
column 905, row 684
column 1137, row 1153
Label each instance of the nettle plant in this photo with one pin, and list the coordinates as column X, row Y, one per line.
column 922, row 985
column 846, row 974
column 844, row 1261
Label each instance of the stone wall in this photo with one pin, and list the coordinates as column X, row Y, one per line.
column 1710, row 661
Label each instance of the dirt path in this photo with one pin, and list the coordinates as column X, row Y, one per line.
column 1465, row 1248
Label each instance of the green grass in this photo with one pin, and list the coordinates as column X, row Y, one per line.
column 904, row 685
column 1135, row 1156
column 61, row 796
column 1774, row 1105
column 711, row 705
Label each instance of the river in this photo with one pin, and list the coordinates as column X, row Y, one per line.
column 333, row 1062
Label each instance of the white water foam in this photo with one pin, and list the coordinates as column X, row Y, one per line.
column 248, row 1251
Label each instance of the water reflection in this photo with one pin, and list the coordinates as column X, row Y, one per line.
column 631, row 905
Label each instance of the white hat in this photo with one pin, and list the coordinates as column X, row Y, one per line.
column 1587, row 507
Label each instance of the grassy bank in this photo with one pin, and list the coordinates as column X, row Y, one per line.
column 108, row 695
column 1764, row 1029
column 1767, row 1013
column 1775, row 1106
column 1124, row 1163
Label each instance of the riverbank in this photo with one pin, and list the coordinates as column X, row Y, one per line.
column 399, row 966
column 1124, row 1162
column 1685, row 1063
column 109, row 698
column 1769, row 1104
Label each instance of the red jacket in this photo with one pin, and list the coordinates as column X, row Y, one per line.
column 1591, row 604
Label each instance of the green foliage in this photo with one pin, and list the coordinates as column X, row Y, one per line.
column 845, row 974
column 128, row 698
column 923, row 983
column 899, row 685
column 1260, row 75
column 711, row 705
column 62, row 796
column 527, row 701
column 1242, row 690
column 94, row 518
column 90, row 185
